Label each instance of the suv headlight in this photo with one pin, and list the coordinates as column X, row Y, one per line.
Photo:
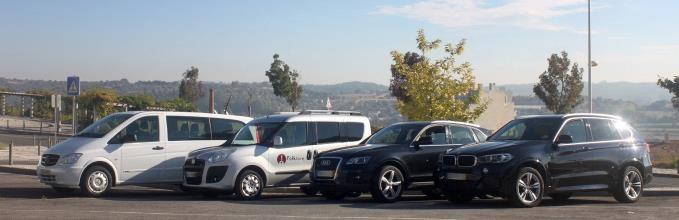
column 358, row 160
column 215, row 156
column 69, row 159
column 495, row 158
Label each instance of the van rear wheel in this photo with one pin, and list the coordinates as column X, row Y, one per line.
column 96, row 182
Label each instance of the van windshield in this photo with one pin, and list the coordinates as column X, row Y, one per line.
column 255, row 134
column 103, row 126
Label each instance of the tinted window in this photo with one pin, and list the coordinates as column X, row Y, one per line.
column 328, row 132
column 396, row 134
column 293, row 134
column 461, row 135
column 624, row 129
column 437, row 134
column 603, row 130
column 311, row 133
column 351, row 131
column 529, row 129
column 576, row 129
column 224, row 129
column 145, row 129
column 480, row 135
column 187, row 128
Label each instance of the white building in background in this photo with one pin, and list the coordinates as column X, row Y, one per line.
column 500, row 109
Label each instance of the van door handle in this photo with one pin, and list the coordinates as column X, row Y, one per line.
column 157, row 148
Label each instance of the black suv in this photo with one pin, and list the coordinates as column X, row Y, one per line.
column 552, row 154
column 391, row 160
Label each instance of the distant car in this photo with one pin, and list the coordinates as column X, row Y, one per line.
column 554, row 155
column 131, row 148
column 272, row 151
column 395, row 158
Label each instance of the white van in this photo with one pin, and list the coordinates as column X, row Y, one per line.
column 133, row 148
column 275, row 150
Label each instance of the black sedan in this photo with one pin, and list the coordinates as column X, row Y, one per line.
column 398, row 157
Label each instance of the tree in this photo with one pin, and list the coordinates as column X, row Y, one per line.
column 398, row 78
column 179, row 105
column 97, row 103
column 42, row 105
column 138, row 101
column 284, row 82
column 190, row 89
column 438, row 89
column 559, row 90
column 673, row 87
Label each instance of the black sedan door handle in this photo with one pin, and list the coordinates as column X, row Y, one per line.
column 157, row 148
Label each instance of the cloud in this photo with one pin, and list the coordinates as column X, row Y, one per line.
column 528, row 14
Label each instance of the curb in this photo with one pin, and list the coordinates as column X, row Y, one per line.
column 18, row 170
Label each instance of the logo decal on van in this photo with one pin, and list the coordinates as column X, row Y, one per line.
column 281, row 159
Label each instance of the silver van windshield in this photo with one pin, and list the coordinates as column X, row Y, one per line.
column 100, row 128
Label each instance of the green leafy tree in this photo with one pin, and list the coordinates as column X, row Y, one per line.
column 284, row 82
column 138, row 102
column 190, row 89
column 396, row 86
column 437, row 89
column 179, row 105
column 97, row 101
column 560, row 87
column 673, row 87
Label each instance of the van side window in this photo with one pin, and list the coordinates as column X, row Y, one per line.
column 187, row 128
column 293, row 134
column 576, row 129
column 145, row 129
column 351, row 131
column 328, row 132
column 603, row 130
column 311, row 133
column 461, row 135
column 224, row 129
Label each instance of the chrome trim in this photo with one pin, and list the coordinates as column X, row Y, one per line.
column 339, row 164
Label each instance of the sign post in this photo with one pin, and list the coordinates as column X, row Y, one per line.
column 73, row 90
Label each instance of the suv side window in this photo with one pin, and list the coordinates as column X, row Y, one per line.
column 187, row 128
column 351, row 131
column 224, row 129
column 462, row 135
column 145, row 128
column 293, row 134
column 576, row 129
column 624, row 129
column 603, row 130
column 437, row 134
column 328, row 132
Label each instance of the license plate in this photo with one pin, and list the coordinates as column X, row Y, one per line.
column 192, row 174
column 325, row 173
column 457, row 176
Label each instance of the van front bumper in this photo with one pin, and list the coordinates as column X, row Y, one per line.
column 201, row 176
column 59, row 176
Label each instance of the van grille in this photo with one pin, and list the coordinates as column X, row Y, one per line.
column 49, row 159
column 193, row 171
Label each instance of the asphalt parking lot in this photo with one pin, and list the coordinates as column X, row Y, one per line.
column 22, row 197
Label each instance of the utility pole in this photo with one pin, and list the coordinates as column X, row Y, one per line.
column 589, row 55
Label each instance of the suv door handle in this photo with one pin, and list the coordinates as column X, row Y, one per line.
column 157, row 148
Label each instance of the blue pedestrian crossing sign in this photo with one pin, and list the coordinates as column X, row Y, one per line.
column 73, row 86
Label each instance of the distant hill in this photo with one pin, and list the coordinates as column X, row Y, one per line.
column 348, row 87
column 640, row 93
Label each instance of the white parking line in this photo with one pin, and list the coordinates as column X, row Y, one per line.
column 231, row 215
column 652, row 189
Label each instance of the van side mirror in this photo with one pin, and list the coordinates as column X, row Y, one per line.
column 277, row 141
column 129, row 138
column 564, row 139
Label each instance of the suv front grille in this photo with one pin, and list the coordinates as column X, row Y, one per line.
column 193, row 171
column 449, row 160
column 49, row 159
column 466, row 160
column 325, row 168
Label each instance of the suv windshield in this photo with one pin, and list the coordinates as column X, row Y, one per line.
column 103, row 126
column 255, row 134
column 528, row 129
column 396, row 134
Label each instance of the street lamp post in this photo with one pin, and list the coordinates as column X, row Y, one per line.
column 589, row 56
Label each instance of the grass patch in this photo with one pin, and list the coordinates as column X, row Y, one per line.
column 666, row 155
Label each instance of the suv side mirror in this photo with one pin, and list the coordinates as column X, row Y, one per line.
column 564, row 139
column 277, row 141
column 129, row 138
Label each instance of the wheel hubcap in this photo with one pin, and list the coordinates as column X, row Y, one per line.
column 390, row 184
column 97, row 182
column 632, row 184
column 250, row 185
column 528, row 187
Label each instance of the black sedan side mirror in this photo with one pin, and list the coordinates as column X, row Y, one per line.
column 564, row 139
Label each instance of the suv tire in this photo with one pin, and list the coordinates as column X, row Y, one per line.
column 630, row 185
column 388, row 185
column 526, row 188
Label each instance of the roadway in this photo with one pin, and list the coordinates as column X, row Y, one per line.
column 22, row 197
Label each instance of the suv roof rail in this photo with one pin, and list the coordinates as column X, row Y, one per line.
column 592, row 114
column 457, row 122
column 329, row 112
column 285, row 113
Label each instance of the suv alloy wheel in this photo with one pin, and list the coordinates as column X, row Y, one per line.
column 527, row 188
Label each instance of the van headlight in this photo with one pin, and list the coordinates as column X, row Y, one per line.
column 495, row 158
column 215, row 156
column 69, row 159
column 358, row 160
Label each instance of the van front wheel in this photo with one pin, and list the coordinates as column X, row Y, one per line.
column 249, row 185
column 96, row 182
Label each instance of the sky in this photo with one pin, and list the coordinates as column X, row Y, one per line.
column 508, row 41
